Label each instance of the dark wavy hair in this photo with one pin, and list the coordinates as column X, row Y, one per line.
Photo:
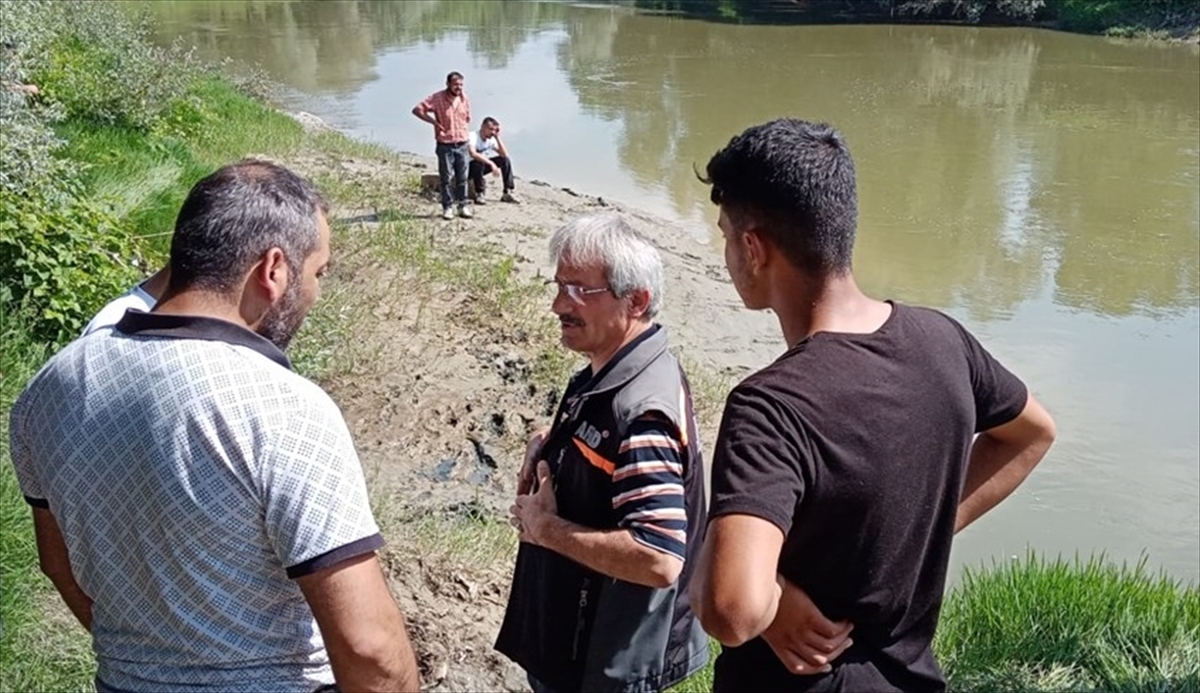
column 234, row 215
column 795, row 181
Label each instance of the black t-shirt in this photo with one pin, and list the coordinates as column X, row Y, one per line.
column 855, row 445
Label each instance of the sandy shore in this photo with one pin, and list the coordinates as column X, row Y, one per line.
column 706, row 318
column 442, row 408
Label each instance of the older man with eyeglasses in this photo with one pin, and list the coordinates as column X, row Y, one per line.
column 610, row 506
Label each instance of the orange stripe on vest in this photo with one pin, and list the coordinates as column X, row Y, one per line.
column 594, row 457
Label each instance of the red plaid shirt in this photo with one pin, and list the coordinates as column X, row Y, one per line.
column 452, row 113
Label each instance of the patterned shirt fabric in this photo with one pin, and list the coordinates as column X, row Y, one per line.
column 453, row 116
column 192, row 473
column 648, row 487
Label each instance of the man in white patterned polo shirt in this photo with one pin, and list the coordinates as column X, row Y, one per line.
column 200, row 507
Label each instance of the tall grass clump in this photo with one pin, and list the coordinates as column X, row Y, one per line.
column 1057, row 625
column 63, row 251
column 1061, row 626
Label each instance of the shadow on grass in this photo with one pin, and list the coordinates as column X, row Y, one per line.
column 384, row 216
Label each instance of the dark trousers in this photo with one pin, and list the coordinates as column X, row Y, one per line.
column 538, row 686
column 102, row 687
column 479, row 170
column 452, row 157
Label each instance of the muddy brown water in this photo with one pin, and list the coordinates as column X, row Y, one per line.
column 1042, row 187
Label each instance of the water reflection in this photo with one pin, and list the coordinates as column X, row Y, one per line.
column 991, row 161
column 1044, row 187
column 331, row 46
column 971, row 122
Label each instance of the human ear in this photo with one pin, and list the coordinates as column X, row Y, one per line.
column 272, row 274
column 639, row 302
column 755, row 247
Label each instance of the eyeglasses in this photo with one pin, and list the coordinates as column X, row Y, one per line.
column 575, row 292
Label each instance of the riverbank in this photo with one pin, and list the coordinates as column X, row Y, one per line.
column 436, row 340
column 1175, row 21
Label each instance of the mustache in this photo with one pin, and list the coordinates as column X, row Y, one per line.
column 569, row 321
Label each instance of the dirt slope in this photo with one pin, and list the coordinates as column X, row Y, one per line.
column 446, row 378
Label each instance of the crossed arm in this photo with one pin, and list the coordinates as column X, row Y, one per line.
column 737, row 594
column 618, row 553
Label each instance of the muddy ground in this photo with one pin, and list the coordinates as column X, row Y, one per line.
column 442, row 403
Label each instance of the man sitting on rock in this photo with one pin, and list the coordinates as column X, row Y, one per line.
column 489, row 155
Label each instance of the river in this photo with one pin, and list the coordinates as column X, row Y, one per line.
column 1042, row 187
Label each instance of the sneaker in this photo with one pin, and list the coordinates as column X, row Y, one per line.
column 478, row 199
column 447, row 213
column 508, row 197
column 465, row 211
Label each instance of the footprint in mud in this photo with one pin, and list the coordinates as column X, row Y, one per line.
column 485, row 466
column 481, row 471
column 443, row 469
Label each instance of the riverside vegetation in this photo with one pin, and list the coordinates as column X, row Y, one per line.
column 1158, row 19
column 92, row 172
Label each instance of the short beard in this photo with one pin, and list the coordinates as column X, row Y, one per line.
column 285, row 317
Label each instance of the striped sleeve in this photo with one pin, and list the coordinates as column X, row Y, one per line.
column 648, row 486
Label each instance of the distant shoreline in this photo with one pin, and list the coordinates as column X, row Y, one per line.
column 1173, row 22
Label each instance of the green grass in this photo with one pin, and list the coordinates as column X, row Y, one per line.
column 144, row 177
column 1055, row 625
column 36, row 655
column 1038, row 624
column 466, row 537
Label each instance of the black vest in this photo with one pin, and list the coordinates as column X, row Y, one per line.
column 567, row 625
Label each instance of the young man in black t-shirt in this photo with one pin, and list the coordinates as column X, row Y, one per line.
column 842, row 470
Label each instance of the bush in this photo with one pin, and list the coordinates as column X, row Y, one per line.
column 61, row 259
column 973, row 10
column 27, row 148
column 1122, row 16
column 97, row 63
column 63, row 256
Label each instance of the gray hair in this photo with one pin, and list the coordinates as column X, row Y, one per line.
column 629, row 259
column 233, row 216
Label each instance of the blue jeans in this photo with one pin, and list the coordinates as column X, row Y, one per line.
column 453, row 157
